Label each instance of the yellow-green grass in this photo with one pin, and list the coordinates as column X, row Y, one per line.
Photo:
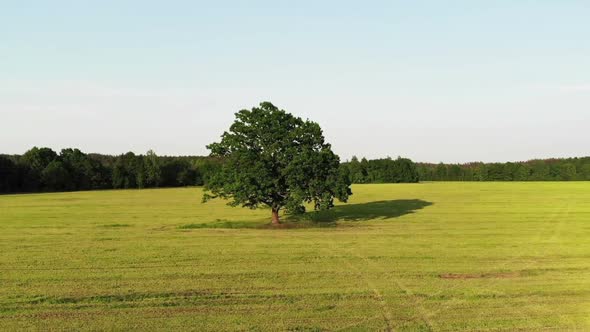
column 431, row 256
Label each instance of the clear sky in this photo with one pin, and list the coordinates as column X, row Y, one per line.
column 434, row 81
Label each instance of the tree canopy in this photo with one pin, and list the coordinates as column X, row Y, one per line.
column 400, row 170
column 272, row 158
column 42, row 169
column 568, row 169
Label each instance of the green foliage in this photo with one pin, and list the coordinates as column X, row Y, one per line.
column 9, row 174
column 55, row 176
column 125, row 172
column 38, row 158
column 79, row 171
column 568, row 169
column 86, row 173
column 33, row 163
column 153, row 169
column 41, row 169
column 400, row 170
column 567, row 172
column 176, row 172
column 275, row 159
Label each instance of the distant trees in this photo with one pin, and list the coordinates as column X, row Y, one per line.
column 382, row 170
column 125, row 172
column 272, row 158
column 153, row 171
column 176, row 172
column 9, row 175
column 42, row 169
column 568, row 169
column 86, row 173
column 404, row 170
column 34, row 162
column 56, row 177
column 358, row 170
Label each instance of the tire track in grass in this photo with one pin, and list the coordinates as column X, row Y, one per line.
column 556, row 237
column 384, row 310
column 558, row 228
column 407, row 291
column 507, row 263
column 554, row 231
column 385, row 314
column 356, row 324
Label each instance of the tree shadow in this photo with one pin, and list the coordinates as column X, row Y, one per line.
column 379, row 210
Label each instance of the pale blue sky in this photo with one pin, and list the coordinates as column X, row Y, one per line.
column 449, row 81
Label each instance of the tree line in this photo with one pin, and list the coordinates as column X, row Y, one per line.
column 42, row 169
column 567, row 169
column 387, row 170
column 404, row 170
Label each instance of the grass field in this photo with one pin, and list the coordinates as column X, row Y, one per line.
column 432, row 256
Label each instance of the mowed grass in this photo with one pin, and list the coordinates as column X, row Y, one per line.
column 431, row 256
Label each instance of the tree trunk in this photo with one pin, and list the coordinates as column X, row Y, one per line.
column 275, row 216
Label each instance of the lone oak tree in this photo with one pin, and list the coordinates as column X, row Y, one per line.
column 273, row 158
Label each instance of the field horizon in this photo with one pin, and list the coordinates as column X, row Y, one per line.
column 434, row 256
